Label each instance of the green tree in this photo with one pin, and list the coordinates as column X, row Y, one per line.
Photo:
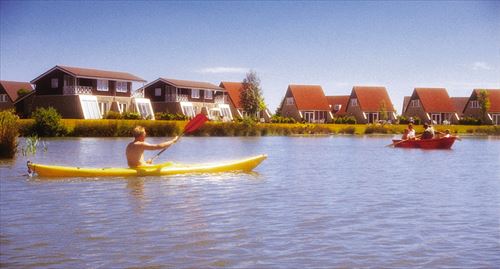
column 383, row 110
column 251, row 98
column 48, row 122
column 484, row 103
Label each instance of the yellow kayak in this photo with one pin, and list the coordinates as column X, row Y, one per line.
column 169, row 168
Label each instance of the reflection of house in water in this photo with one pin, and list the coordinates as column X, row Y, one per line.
column 83, row 93
column 188, row 98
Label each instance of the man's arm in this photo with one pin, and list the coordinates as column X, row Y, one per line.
column 162, row 145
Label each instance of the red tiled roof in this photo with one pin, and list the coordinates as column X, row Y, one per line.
column 309, row 97
column 233, row 89
column 92, row 73
column 370, row 98
column 190, row 84
column 459, row 103
column 494, row 96
column 338, row 100
column 11, row 88
column 435, row 100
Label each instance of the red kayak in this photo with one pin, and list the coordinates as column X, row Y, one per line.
column 434, row 143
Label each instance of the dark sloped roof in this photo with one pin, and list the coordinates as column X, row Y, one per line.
column 11, row 88
column 342, row 100
column 190, row 84
column 92, row 73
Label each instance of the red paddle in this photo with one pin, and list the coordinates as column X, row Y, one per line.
column 190, row 127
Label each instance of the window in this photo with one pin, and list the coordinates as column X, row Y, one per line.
column 90, row 107
column 209, row 94
column 354, row 102
column 415, row 103
column 103, row 107
column 55, row 83
column 121, row 86
column 122, row 107
column 3, row 98
column 102, row 85
column 195, row 93
column 225, row 112
column 289, row 100
column 143, row 106
column 157, row 91
column 309, row 116
column 187, row 109
column 474, row 104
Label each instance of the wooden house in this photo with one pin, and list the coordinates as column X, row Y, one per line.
column 234, row 90
column 306, row 103
column 12, row 93
column 188, row 98
column 338, row 105
column 472, row 108
column 431, row 105
column 369, row 104
column 83, row 93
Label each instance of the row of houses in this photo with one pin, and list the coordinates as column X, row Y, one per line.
column 84, row 93
column 368, row 104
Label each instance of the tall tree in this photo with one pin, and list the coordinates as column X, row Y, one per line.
column 251, row 98
column 484, row 103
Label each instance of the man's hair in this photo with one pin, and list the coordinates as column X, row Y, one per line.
column 138, row 131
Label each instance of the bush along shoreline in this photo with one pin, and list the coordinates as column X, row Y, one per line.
column 160, row 128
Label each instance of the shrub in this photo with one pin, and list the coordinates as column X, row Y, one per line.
column 348, row 130
column 8, row 133
column 169, row 116
column 469, row 121
column 280, row 119
column 376, row 128
column 131, row 116
column 345, row 120
column 22, row 92
column 403, row 120
column 112, row 115
column 48, row 122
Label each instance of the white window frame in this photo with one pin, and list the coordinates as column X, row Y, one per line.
column 3, row 98
column 188, row 109
column 354, row 102
column 103, row 107
column 54, row 83
column 90, row 107
column 289, row 101
column 209, row 95
column 436, row 117
column 157, row 91
column 415, row 103
column 195, row 93
column 225, row 111
column 121, row 86
column 374, row 117
column 309, row 119
column 495, row 118
column 122, row 107
column 102, row 85
column 143, row 106
column 474, row 104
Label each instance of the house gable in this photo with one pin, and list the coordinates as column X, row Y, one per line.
column 309, row 97
column 434, row 100
column 370, row 98
column 233, row 90
column 12, row 87
column 338, row 104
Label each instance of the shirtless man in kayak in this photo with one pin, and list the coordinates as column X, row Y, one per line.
column 135, row 149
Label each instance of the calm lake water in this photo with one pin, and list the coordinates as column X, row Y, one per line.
column 336, row 201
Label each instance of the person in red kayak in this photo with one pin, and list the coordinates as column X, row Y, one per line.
column 135, row 149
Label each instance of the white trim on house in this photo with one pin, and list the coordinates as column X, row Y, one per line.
column 90, row 107
column 143, row 106
column 188, row 109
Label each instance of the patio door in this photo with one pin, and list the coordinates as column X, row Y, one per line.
column 436, row 118
column 372, row 117
column 309, row 116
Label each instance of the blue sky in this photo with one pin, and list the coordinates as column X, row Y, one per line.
column 400, row 45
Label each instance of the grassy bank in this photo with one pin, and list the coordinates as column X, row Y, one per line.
column 122, row 128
